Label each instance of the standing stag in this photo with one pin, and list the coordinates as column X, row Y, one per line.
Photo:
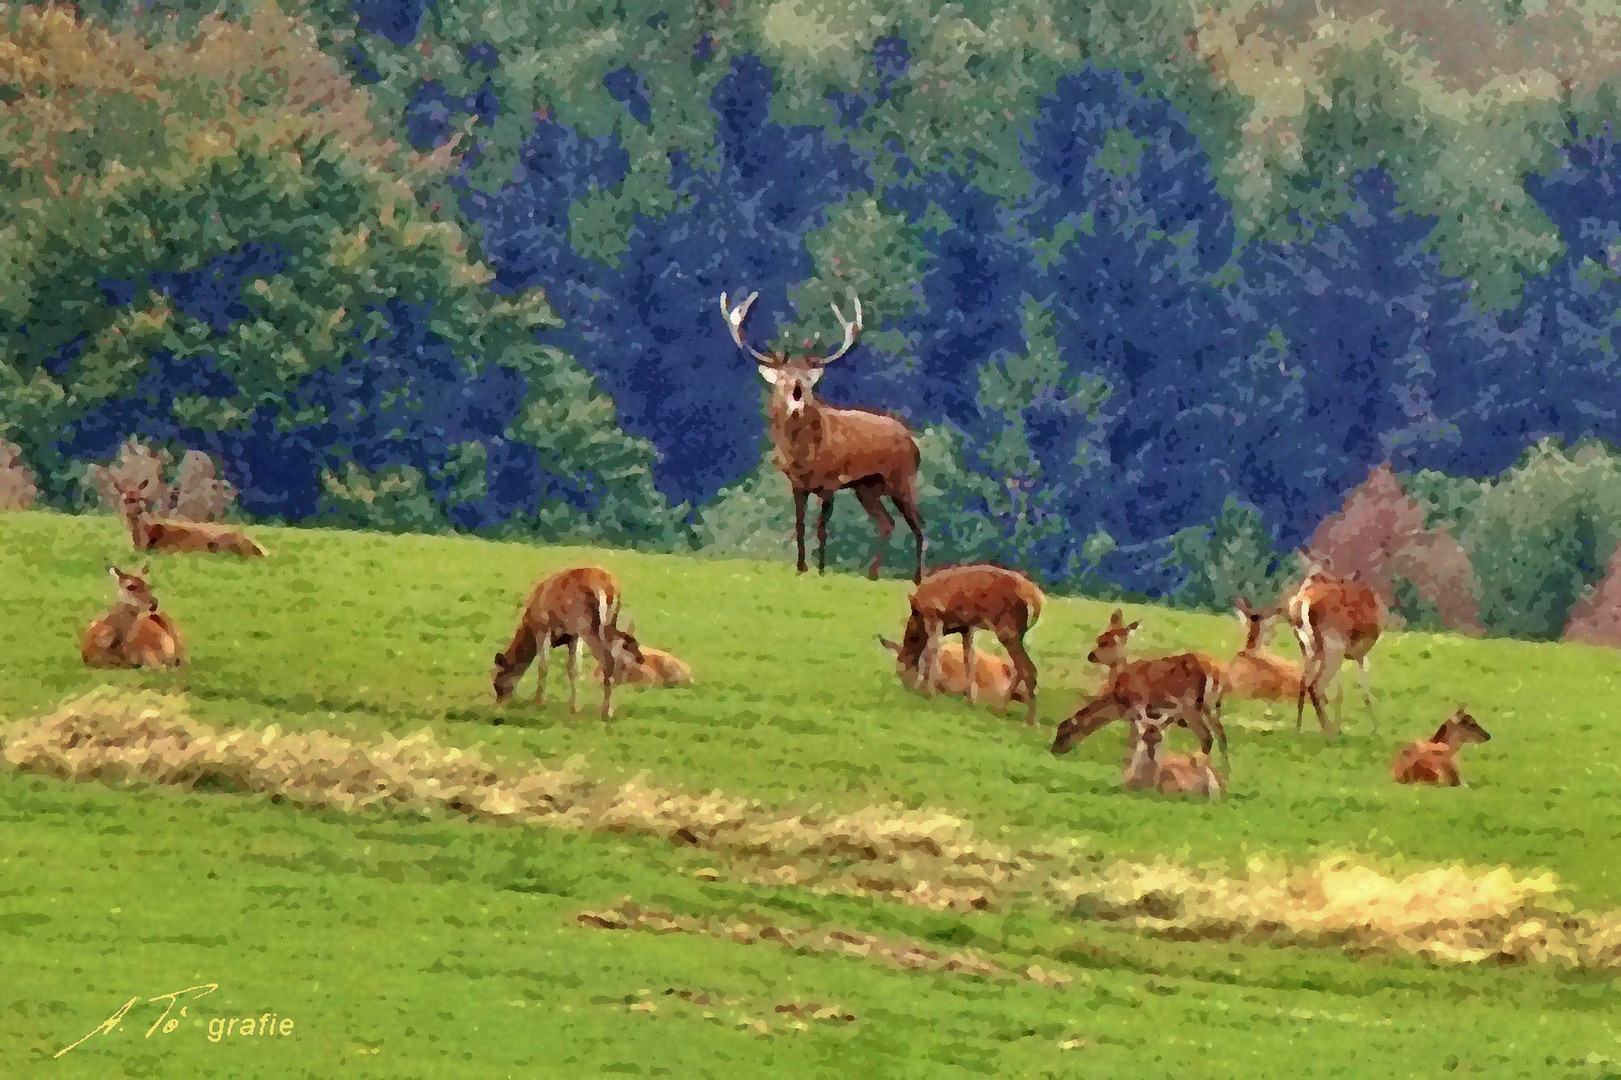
column 571, row 607
column 959, row 600
column 823, row 450
column 1335, row 619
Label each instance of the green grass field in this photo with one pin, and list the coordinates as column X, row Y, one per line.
column 403, row 946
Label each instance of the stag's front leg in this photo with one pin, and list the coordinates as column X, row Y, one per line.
column 968, row 664
column 800, row 498
column 930, row 660
column 821, row 531
column 574, row 676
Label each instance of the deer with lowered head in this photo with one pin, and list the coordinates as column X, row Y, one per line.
column 996, row 680
column 1334, row 619
column 657, row 668
column 823, row 450
column 1436, row 761
column 577, row 607
column 1253, row 672
column 1181, row 774
column 150, row 533
column 133, row 633
column 960, row 600
column 1185, row 689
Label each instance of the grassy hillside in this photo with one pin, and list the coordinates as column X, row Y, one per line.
column 406, row 947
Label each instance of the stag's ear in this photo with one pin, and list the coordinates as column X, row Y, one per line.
column 1134, row 625
column 813, row 375
column 888, row 644
column 768, row 373
column 146, row 568
column 112, row 571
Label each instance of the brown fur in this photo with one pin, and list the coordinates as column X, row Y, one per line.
column 133, row 633
column 656, row 668
column 962, row 599
column 1436, row 761
column 151, row 534
column 1169, row 774
column 995, row 677
column 1253, row 672
column 1189, row 686
column 1334, row 619
column 571, row 607
column 823, row 450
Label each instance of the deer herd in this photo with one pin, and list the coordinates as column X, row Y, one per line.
column 821, row 451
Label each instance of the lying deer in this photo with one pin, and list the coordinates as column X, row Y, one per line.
column 822, row 450
column 1335, row 619
column 571, row 607
column 134, row 633
column 1436, row 761
column 962, row 599
column 1185, row 689
column 994, row 676
column 151, row 534
column 1168, row 774
column 1253, row 672
column 656, row 668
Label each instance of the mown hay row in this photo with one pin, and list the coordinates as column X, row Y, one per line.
column 1450, row 913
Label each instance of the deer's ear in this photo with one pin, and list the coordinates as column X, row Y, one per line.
column 112, row 571
column 768, row 373
column 1134, row 625
column 813, row 375
column 888, row 644
column 146, row 568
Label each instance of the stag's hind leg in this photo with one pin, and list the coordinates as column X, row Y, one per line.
column 574, row 676
column 906, row 503
column 871, row 497
column 1367, row 691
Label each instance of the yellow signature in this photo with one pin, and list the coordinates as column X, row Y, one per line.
column 168, row 1024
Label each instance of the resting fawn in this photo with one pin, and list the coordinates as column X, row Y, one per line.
column 1253, row 672
column 134, row 633
column 656, row 668
column 1169, row 774
column 1436, row 761
column 995, row 678
column 151, row 534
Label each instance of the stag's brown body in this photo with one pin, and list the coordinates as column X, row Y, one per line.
column 133, row 633
column 152, row 534
column 656, row 668
column 574, row 607
column 1334, row 619
column 1253, row 672
column 960, row 600
column 996, row 680
column 822, row 450
column 1436, row 760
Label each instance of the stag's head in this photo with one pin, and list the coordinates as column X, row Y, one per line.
column 134, row 590
column 1254, row 621
column 133, row 499
column 792, row 378
column 1461, row 728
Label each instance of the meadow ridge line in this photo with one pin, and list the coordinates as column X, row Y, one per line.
column 930, row 859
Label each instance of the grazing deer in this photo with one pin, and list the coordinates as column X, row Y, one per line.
column 1109, row 653
column 656, row 668
column 571, row 607
column 994, row 676
column 151, row 534
column 1334, row 619
column 823, row 450
column 962, row 599
column 1253, row 672
column 1185, row 689
column 134, row 633
column 1168, row 774
column 1436, row 761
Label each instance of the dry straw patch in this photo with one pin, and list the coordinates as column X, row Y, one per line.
column 910, row 955
column 1450, row 913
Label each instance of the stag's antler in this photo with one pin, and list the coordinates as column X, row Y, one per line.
column 852, row 328
column 734, row 317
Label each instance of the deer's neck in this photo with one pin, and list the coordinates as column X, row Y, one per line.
column 122, row 618
column 137, row 523
column 799, row 433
